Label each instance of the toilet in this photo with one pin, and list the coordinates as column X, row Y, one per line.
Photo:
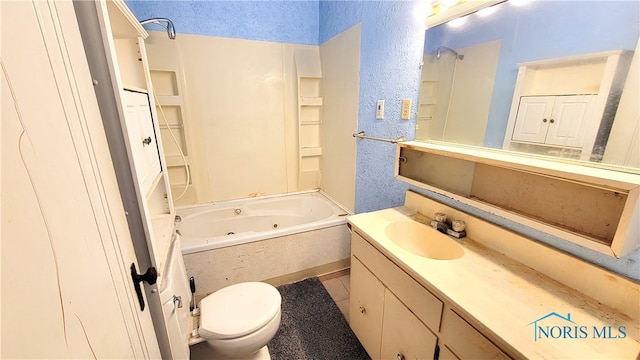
column 236, row 322
column 239, row 320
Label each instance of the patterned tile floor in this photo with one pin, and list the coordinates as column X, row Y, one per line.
column 337, row 285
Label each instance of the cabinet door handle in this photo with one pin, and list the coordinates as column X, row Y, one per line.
column 400, row 356
column 544, row 120
column 552, row 121
column 147, row 141
column 362, row 310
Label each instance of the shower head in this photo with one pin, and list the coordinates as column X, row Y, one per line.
column 171, row 31
column 442, row 49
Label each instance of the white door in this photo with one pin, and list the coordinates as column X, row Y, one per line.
column 533, row 118
column 569, row 120
column 66, row 249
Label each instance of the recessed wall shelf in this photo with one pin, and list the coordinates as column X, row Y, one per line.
column 168, row 80
column 597, row 208
column 309, row 74
column 310, row 101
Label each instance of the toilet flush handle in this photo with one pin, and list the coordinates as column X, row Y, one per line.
column 175, row 299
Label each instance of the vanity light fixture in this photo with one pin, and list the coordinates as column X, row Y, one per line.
column 440, row 6
column 519, row 2
column 449, row 3
column 486, row 11
column 456, row 23
column 446, row 10
column 422, row 10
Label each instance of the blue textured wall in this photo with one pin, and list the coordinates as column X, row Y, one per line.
column 279, row 21
column 540, row 30
column 390, row 56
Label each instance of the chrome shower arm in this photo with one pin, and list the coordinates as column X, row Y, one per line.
column 171, row 30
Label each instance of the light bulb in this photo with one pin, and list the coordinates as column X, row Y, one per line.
column 449, row 3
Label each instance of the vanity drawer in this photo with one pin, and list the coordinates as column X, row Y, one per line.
column 422, row 303
column 465, row 341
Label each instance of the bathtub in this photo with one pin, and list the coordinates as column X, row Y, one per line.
column 230, row 223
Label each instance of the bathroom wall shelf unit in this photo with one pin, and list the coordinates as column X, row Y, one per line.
column 168, row 81
column 595, row 207
column 126, row 52
column 427, row 104
column 567, row 103
column 309, row 118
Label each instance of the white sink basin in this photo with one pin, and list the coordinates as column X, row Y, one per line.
column 424, row 241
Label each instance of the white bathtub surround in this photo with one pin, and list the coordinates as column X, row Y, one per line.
column 248, row 144
column 340, row 57
column 311, row 238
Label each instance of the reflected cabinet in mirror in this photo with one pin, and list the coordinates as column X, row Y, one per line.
column 552, row 78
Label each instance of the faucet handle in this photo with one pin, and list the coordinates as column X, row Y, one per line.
column 458, row 225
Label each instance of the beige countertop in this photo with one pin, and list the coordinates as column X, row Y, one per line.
column 505, row 297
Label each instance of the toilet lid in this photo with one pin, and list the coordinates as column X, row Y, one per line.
column 238, row 310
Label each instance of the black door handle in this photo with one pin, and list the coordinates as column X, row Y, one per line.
column 150, row 277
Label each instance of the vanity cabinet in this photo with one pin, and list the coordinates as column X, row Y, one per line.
column 366, row 303
column 463, row 341
column 386, row 328
column 553, row 120
column 403, row 335
column 395, row 317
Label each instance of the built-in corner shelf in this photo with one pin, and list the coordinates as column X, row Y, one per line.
column 310, row 101
column 309, row 118
column 595, row 207
column 166, row 77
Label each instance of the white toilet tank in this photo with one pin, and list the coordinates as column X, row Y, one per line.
column 174, row 289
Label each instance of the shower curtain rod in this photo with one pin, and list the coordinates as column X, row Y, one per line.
column 362, row 135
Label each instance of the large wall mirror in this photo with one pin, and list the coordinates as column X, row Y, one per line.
column 552, row 78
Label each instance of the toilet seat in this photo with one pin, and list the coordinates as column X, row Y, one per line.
column 238, row 310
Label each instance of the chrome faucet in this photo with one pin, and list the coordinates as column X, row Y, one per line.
column 455, row 228
column 441, row 226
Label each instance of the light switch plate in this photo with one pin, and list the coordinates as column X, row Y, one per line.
column 380, row 110
column 406, row 109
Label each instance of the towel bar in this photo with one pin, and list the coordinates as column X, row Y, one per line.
column 362, row 135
